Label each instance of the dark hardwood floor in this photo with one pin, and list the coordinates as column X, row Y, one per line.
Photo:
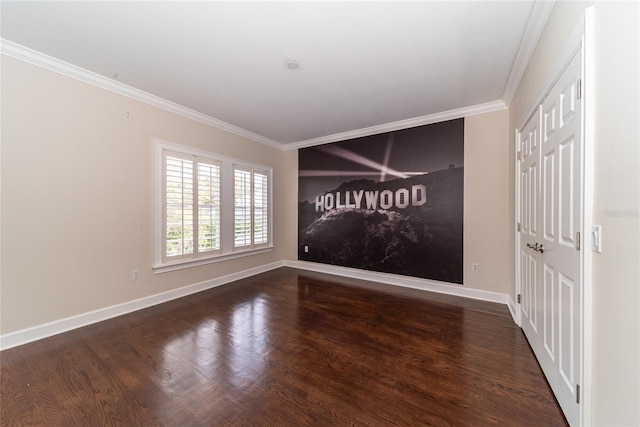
column 285, row 348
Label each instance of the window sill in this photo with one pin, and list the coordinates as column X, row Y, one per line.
column 188, row 263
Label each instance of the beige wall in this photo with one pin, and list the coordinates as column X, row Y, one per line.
column 290, row 219
column 616, row 272
column 486, row 202
column 77, row 196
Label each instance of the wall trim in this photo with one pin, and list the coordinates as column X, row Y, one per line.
column 56, row 327
column 50, row 63
column 511, row 305
column 457, row 113
column 535, row 26
column 574, row 43
column 588, row 58
column 403, row 281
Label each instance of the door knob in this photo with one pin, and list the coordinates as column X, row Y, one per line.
column 537, row 247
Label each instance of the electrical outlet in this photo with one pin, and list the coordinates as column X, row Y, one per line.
column 135, row 274
column 306, row 248
column 475, row 267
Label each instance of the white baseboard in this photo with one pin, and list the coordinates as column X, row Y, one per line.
column 56, row 327
column 404, row 281
column 512, row 309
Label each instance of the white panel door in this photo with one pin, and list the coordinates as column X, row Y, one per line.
column 561, row 150
column 529, row 140
column 550, row 216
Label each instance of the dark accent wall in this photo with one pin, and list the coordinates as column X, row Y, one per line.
column 391, row 202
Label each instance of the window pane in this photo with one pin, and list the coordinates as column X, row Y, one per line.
column 260, row 208
column 208, row 207
column 242, row 207
column 179, row 206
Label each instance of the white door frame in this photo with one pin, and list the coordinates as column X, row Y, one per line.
column 582, row 36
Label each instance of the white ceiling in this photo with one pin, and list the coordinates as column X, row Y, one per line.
column 362, row 64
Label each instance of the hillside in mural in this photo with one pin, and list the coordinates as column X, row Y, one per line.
column 410, row 226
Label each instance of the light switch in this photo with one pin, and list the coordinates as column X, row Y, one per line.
column 596, row 238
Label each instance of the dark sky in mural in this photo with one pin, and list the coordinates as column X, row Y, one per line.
column 384, row 157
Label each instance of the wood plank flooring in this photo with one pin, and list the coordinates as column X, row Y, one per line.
column 285, row 348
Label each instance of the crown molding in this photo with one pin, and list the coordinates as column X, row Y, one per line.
column 401, row 124
column 535, row 26
column 50, row 63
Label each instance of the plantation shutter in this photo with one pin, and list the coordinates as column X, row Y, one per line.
column 208, row 207
column 242, row 207
column 251, row 207
column 178, row 189
column 260, row 208
column 192, row 206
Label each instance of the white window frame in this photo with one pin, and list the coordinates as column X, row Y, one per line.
column 227, row 248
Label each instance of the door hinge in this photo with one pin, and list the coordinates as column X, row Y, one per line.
column 579, row 89
column 519, row 227
column 519, row 155
column 519, row 297
column 577, row 393
column 578, row 241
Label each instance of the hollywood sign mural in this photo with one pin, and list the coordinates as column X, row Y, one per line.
column 373, row 200
column 391, row 202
